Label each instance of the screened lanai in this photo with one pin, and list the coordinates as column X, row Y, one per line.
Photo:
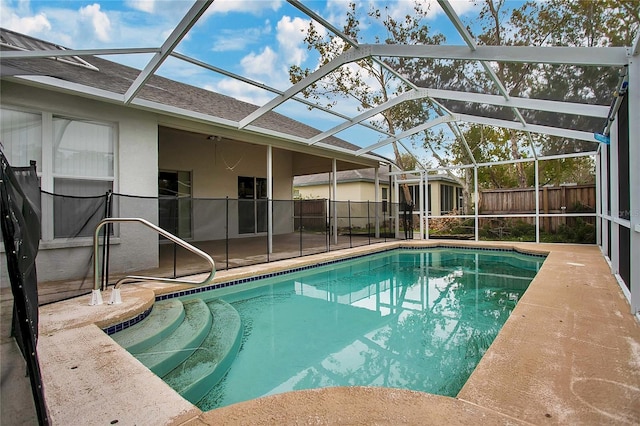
column 401, row 95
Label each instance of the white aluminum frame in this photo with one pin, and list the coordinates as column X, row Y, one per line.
column 585, row 56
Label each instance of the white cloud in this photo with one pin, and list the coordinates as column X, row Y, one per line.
column 99, row 20
column 242, row 91
column 148, row 6
column 398, row 10
column 227, row 40
column 336, row 12
column 262, row 64
column 290, row 36
column 36, row 24
column 461, row 7
column 255, row 7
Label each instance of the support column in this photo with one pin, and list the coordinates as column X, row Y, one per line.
column 427, row 202
column 421, row 192
column 604, row 200
column 376, row 184
column 634, row 177
column 476, row 197
column 396, row 191
column 270, row 199
column 334, row 184
column 537, row 195
column 615, row 208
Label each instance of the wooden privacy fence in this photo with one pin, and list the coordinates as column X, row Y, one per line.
column 552, row 199
column 310, row 214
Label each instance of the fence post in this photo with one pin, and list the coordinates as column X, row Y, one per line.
column 384, row 220
column 545, row 208
column 536, row 193
column 327, row 218
column 175, row 232
column 349, row 215
column 368, row 222
column 226, row 230
column 300, row 224
column 105, row 247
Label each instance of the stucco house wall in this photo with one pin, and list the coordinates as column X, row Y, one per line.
column 215, row 166
column 364, row 190
column 136, row 173
column 347, row 191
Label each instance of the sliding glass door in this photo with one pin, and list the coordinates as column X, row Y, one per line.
column 174, row 202
column 252, row 205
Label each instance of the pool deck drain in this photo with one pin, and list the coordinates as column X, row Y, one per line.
column 568, row 354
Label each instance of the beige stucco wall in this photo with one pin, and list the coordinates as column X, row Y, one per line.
column 135, row 174
column 215, row 167
column 365, row 191
column 435, row 198
column 347, row 191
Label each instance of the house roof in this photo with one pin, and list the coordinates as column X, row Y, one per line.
column 359, row 175
column 99, row 73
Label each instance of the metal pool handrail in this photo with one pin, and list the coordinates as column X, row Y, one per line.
column 96, row 297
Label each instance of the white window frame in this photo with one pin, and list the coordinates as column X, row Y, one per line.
column 46, row 173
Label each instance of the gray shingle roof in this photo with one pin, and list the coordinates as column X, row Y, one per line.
column 117, row 78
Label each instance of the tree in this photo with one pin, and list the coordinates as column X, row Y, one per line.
column 550, row 23
column 533, row 23
column 347, row 82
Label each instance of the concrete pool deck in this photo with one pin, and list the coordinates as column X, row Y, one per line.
column 568, row 354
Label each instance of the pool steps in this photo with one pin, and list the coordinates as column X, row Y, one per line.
column 182, row 343
column 163, row 320
column 198, row 374
column 189, row 343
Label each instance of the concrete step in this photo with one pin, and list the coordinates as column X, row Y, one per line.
column 194, row 378
column 164, row 356
column 164, row 319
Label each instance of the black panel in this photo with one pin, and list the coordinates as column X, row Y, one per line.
column 625, row 255
column 20, row 222
column 623, row 160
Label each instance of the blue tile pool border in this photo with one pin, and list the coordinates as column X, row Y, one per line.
column 140, row 317
column 128, row 323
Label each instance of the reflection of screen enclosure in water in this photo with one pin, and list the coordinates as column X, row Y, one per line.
column 418, row 320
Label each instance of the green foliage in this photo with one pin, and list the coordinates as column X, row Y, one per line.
column 506, row 229
column 346, row 82
column 576, row 230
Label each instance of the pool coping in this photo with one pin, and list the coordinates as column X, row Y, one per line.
column 569, row 322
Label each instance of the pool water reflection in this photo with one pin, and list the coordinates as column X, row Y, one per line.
column 411, row 319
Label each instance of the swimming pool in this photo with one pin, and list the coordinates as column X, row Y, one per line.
column 412, row 319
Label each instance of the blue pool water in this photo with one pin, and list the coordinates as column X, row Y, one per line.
column 411, row 319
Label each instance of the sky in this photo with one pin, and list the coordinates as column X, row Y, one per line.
column 257, row 39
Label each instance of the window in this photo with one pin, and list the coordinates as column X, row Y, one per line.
column 414, row 192
column 252, row 205
column 74, row 157
column 21, row 137
column 460, row 199
column 446, row 199
column 175, row 203
column 385, row 199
